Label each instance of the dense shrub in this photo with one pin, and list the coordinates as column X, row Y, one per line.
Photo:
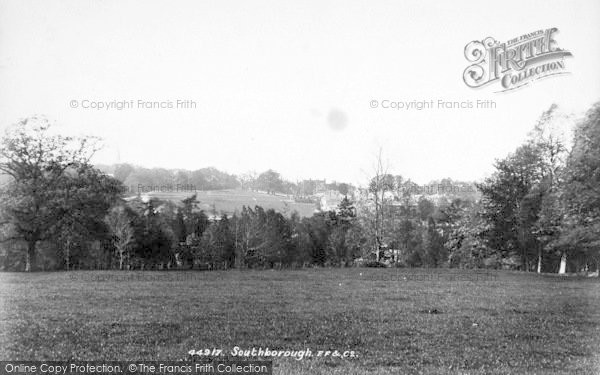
column 374, row 264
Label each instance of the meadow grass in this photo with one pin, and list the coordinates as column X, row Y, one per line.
column 230, row 201
column 398, row 321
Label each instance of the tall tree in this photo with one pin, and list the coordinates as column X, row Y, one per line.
column 122, row 232
column 509, row 205
column 270, row 181
column 218, row 243
column 155, row 237
column 343, row 219
column 467, row 235
column 581, row 227
column 380, row 185
column 548, row 139
column 50, row 184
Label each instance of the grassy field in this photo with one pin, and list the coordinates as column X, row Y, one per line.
column 230, row 200
column 397, row 321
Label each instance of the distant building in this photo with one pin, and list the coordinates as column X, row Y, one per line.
column 330, row 200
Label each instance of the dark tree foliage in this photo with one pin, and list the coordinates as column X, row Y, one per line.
column 53, row 189
column 539, row 210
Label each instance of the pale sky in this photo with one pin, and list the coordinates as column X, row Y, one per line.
column 287, row 85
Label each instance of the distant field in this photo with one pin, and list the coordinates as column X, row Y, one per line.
column 230, row 200
column 397, row 321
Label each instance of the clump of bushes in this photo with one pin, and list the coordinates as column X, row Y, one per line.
column 374, row 264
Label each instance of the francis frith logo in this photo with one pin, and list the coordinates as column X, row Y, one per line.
column 515, row 63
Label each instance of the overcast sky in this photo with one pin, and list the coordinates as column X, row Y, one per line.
column 287, row 85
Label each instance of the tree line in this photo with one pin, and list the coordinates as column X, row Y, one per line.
column 139, row 179
column 538, row 211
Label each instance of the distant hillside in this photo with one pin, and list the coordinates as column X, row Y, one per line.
column 201, row 179
column 228, row 201
column 222, row 192
column 208, row 179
